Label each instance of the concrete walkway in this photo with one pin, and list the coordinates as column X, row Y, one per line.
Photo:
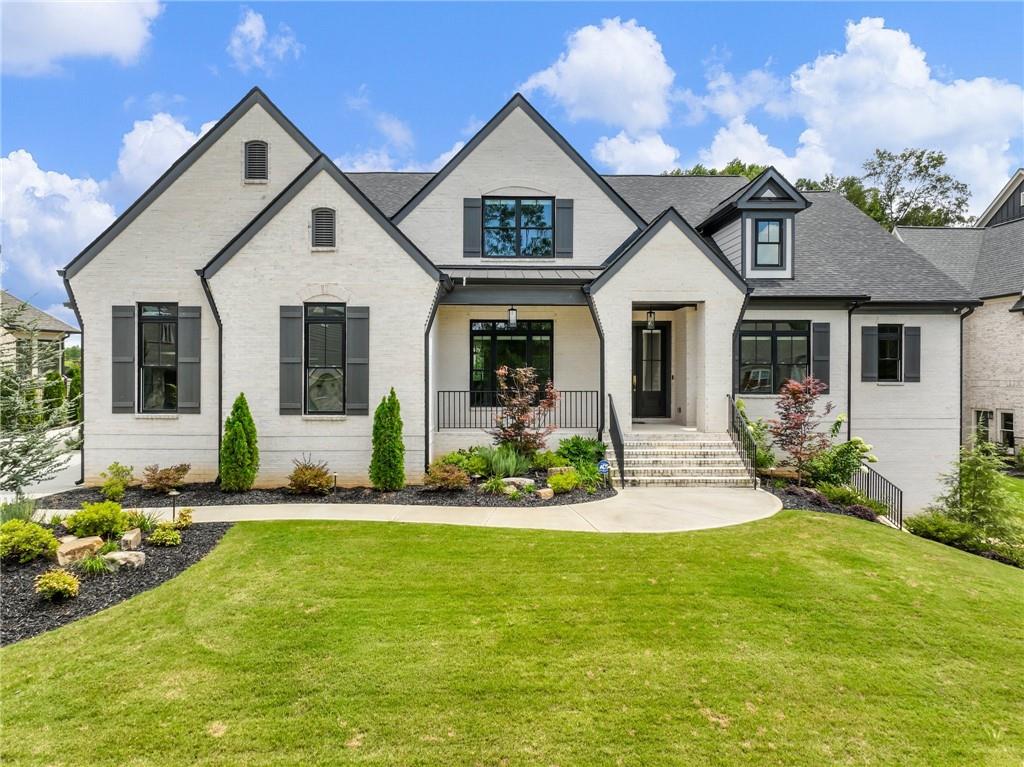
column 633, row 510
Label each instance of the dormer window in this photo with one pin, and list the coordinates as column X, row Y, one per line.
column 257, row 167
column 768, row 250
column 518, row 227
column 323, row 228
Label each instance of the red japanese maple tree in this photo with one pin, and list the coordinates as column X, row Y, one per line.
column 523, row 411
column 797, row 430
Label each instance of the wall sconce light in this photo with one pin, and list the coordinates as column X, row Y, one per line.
column 513, row 316
column 650, row 319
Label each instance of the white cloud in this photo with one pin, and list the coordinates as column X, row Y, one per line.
column 647, row 154
column 397, row 133
column 36, row 37
column 740, row 139
column 615, row 73
column 149, row 149
column 48, row 218
column 381, row 159
column 250, row 46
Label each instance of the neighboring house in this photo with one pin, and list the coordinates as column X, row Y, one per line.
column 255, row 264
column 988, row 260
column 46, row 352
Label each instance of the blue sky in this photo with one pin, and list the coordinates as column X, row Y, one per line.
column 98, row 101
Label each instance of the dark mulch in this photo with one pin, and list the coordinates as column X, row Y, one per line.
column 23, row 614
column 209, row 494
column 808, row 499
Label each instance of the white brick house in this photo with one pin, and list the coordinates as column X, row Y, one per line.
column 256, row 265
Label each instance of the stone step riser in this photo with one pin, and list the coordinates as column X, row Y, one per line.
column 689, row 482
column 695, row 444
column 654, row 437
column 683, row 460
column 684, row 471
column 679, row 454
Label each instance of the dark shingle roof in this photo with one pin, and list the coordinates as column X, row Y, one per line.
column 693, row 196
column 988, row 262
column 390, row 191
column 31, row 316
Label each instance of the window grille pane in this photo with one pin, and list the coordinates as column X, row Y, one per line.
column 325, row 390
column 769, row 255
column 159, row 389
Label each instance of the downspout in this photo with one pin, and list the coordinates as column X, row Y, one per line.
column 600, row 338
column 963, row 317
column 220, row 364
column 445, row 284
column 854, row 306
column 81, row 366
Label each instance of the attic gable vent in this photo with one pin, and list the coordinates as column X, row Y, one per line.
column 256, row 165
column 323, row 228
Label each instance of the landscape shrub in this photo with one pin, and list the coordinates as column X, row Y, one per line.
column 146, row 521
column 183, row 519
column 54, row 395
column 75, row 393
column 838, row 464
column 164, row 480
column 91, row 566
column 759, row 432
column 310, row 477
column 470, row 461
column 107, row 547
column 104, row 518
column 505, row 461
column 56, row 584
column 24, row 541
column 116, row 479
column 523, row 409
column 493, row 486
column 590, row 477
column 579, row 451
column 844, row 495
column 564, row 482
column 862, row 511
column 20, row 508
column 796, row 430
column 547, row 459
column 1007, row 553
column 937, row 526
column 164, row 535
column 446, row 476
column 387, row 463
column 239, row 449
column 975, row 493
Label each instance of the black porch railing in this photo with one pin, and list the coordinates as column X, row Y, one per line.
column 479, row 409
column 743, row 440
column 878, row 488
column 618, row 443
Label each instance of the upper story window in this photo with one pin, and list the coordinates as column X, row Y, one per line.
column 323, row 228
column 772, row 353
column 325, row 358
column 768, row 250
column 257, row 167
column 519, row 227
column 158, row 357
column 890, row 352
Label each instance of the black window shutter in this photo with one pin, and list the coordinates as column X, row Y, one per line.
column 122, row 355
column 820, row 349
column 357, row 360
column 869, row 353
column 291, row 387
column 472, row 227
column 911, row 354
column 563, row 228
column 190, row 327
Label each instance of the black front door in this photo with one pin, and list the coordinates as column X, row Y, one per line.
column 650, row 371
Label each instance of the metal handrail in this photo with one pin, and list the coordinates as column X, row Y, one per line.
column 618, row 443
column 464, row 409
column 878, row 488
column 744, row 441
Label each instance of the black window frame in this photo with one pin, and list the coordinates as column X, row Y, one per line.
column 307, row 320
column 142, row 321
column 483, row 396
column 518, row 226
column 312, row 227
column 781, row 265
column 775, row 334
column 890, row 332
column 266, row 161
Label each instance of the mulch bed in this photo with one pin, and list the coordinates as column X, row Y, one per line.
column 807, row 499
column 209, row 494
column 24, row 614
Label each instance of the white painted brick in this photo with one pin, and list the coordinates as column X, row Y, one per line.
column 994, row 363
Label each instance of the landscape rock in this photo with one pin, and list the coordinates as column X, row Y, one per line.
column 518, row 481
column 131, row 540
column 545, row 493
column 133, row 559
column 77, row 549
column 558, row 470
column 67, row 538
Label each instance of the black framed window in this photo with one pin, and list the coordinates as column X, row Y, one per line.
column 768, row 249
column 158, row 358
column 493, row 343
column 1006, row 437
column 890, row 352
column 773, row 352
column 517, row 227
column 325, row 358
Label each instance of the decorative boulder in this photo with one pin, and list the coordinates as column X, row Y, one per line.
column 67, row 538
column 77, row 549
column 517, row 481
column 118, row 559
column 559, row 470
column 132, row 540
column 545, row 493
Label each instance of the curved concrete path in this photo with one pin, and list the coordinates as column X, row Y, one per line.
column 633, row 510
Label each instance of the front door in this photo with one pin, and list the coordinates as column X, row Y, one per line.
column 650, row 371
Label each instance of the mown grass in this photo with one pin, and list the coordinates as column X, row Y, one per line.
column 803, row 639
column 1015, row 486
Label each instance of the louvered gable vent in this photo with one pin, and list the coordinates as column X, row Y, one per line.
column 323, row 228
column 256, row 165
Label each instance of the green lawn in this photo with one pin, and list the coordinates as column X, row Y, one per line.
column 803, row 639
column 1016, row 487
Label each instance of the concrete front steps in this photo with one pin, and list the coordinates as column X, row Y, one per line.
column 681, row 459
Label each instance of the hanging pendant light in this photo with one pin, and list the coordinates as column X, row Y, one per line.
column 513, row 316
column 650, row 319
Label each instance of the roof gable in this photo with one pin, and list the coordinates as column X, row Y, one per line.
column 520, row 103
column 1004, row 194
column 768, row 191
column 187, row 160
column 34, row 316
column 319, row 164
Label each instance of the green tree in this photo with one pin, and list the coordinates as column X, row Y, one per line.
column 54, row 393
column 735, row 167
column 975, row 493
column 387, row 464
column 239, row 451
column 75, row 393
column 914, row 189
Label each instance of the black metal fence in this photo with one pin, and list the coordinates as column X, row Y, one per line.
column 478, row 410
column 878, row 488
column 618, row 443
column 743, row 440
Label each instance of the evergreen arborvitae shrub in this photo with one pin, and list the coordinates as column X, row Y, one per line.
column 387, row 466
column 239, row 453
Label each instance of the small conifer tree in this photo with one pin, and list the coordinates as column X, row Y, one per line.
column 387, row 466
column 239, row 453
